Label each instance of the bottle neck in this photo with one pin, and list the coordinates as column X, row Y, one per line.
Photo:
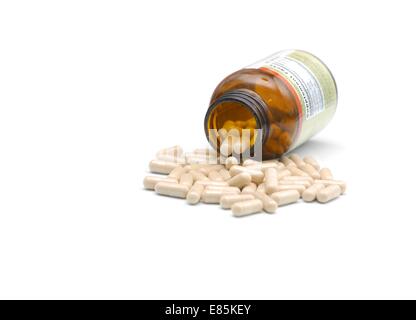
column 251, row 100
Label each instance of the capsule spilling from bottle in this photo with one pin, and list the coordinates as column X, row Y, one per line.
column 272, row 106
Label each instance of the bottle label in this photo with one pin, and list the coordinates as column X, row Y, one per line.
column 312, row 84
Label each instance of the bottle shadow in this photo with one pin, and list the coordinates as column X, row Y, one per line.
column 319, row 147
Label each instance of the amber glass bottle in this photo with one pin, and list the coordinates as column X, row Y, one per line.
column 290, row 96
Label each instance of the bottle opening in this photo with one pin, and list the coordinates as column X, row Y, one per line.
column 233, row 117
column 238, row 114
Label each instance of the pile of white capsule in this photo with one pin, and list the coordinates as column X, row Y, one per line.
column 246, row 188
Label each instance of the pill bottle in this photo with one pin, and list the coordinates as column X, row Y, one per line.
column 286, row 98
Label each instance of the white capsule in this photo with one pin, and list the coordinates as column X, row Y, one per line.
column 297, row 159
column 261, row 188
column 171, row 189
column 269, row 205
column 176, row 173
column 150, row 182
column 222, row 134
column 160, row 166
column 194, row 194
column 328, row 193
column 198, row 176
column 214, row 196
column 297, row 187
column 227, row 200
column 270, row 180
column 204, row 171
column 215, row 176
column 233, row 133
column 283, row 173
column 226, row 148
column 257, row 176
column 224, row 174
column 326, row 174
column 247, row 207
column 285, row 197
column 187, row 180
column 310, row 170
column 310, row 193
column 339, row 183
column 251, row 162
column 280, row 165
column 240, row 147
column 236, row 169
column 252, row 187
column 240, row 180
column 287, row 162
column 312, row 162
column 297, row 172
column 231, row 161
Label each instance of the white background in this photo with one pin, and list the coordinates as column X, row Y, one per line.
column 90, row 90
